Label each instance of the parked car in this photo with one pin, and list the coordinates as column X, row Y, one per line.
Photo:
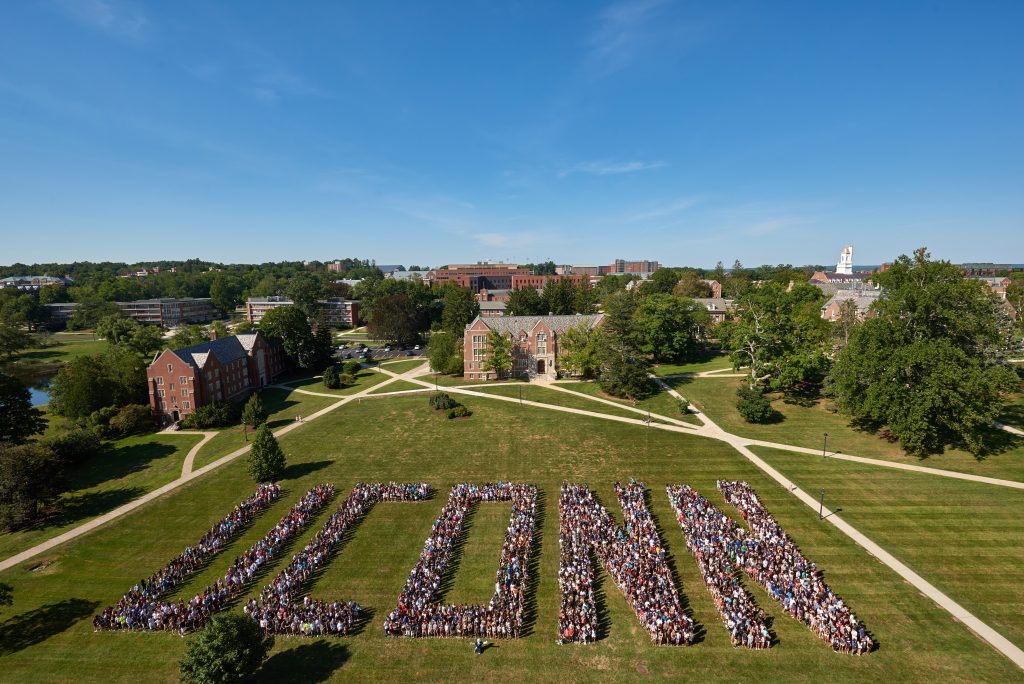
column 417, row 347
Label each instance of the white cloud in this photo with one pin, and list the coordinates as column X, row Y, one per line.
column 662, row 211
column 610, row 168
column 622, row 30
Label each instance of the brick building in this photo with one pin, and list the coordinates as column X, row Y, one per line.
column 168, row 312
column 621, row 266
column 535, row 343
column 539, row 281
column 481, row 276
column 718, row 308
column 228, row 369
column 340, row 312
column 862, row 300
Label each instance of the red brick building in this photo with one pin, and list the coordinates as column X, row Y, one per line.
column 229, row 369
column 535, row 343
column 539, row 281
column 476, row 277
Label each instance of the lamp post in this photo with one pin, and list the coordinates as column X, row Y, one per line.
column 520, row 395
column 824, row 445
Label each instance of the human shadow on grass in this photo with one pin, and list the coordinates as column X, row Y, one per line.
column 297, row 470
column 310, row 662
column 533, row 569
column 115, row 463
column 35, row 626
column 455, row 558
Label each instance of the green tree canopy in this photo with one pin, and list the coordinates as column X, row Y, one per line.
column 397, row 319
column 662, row 281
column 924, row 365
column 19, row 420
column 692, row 285
column 444, row 351
column 230, row 649
column 668, row 326
column 460, row 308
column 623, row 364
column 524, row 301
column 499, row 354
column 31, row 476
column 289, row 326
column 266, row 459
column 254, row 414
column 578, row 348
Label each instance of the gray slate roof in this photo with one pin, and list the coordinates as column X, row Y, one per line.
column 226, row 349
column 862, row 299
column 714, row 303
column 558, row 324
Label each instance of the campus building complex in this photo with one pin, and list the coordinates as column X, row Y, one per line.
column 340, row 313
column 481, row 276
column 534, row 339
column 228, row 369
column 33, row 283
column 166, row 312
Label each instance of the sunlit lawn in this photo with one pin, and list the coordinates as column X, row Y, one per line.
column 47, row 635
column 660, row 403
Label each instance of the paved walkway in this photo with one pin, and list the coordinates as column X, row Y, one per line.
column 186, row 467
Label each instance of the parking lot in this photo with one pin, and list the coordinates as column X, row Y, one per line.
column 379, row 353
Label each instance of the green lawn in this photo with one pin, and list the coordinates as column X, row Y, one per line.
column 545, row 395
column 282, row 407
column 711, row 363
column 397, row 386
column 458, row 381
column 47, row 633
column 364, row 379
column 805, row 425
column 956, row 534
column 49, row 359
column 1013, row 412
column 402, row 366
column 123, row 471
column 660, row 403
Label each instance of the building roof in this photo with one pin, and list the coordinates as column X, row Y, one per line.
column 991, row 280
column 405, row 275
column 273, row 299
column 714, row 303
column 832, row 288
column 558, row 324
column 839, row 277
column 390, row 268
column 226, row 349
column 862, row 299
column 492, row 306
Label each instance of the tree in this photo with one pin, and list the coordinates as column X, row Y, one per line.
column 218, row 329
column 559, row 297
column 12, row 339
column 89, row 383
column 226, row 291
column 266, row 460
column 189, row 335
column 330, row 378
column 31, row 476
column 926, row 364
column 254, row 414
column 623, row 364
column 524, row 301
column 289, row 326
column 230, row 649
column 780, row 335
column 444, row 351
column 6, row 594
column 19, row 420
column 754, row 406
column 661, row 281
column 499, row 354
column 305, row 289
column 460, row 308
column 52, row 294
column 691, row 285
column 844, row 325
column 578, row 350
column 667, row 326
column 396, row 319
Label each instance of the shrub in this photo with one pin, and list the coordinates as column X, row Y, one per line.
column 230, row 649
column 754, row 406
column 346, row 380
column 132, row 420
column 331, row 377
column 458, row 411
column 217, row 414
column 684, row 407
column 99, row 420
column 75, row 445
column 442, row 402
column 352, row 367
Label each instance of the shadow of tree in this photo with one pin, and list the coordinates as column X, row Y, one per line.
column 77, row 507
column 297, row 470
column 35, row 626
column 115, row 463
column 312, row 662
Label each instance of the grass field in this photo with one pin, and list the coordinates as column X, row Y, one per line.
column 282, row 407
column 124, row 470
column 938, row 526
column 49, row 359
column 397, row 386
column 458, row 381
column 364, row 379
column 661, row 403
column 47, row 634
column 402, row 366
column 804, row 426
column 711, row 363
column 545, row 395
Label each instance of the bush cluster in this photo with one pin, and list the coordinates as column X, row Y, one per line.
column 352, row 367
column 113, row 422
column 458, row 411
column 451, row 408
column 217, row 414
column 754, row 406
column 75, row 445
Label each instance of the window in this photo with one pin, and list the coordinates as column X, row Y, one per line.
column 187, row 405
column 172, row 386
column 170, row 368
column 479, row 347
column 184, row 392
column 159, row 381
column 183, row 380
column 161, row 393
column 542, row 343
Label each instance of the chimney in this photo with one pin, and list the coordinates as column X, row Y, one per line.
column 213, row 334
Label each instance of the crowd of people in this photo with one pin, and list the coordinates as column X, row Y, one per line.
column 714, row 539
column 278, row 608
column 418, row 615
column 632, row 554
column 142, row 609
column 772, row 559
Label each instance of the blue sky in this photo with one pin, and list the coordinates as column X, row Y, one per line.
column 435, row 132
